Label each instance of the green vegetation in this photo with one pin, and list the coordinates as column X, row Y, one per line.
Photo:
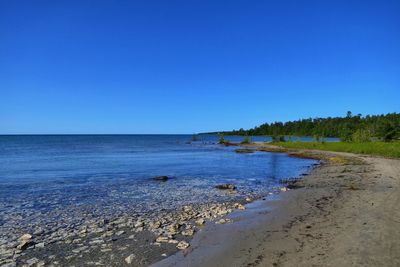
column 387, row 149
column 351, row 128
column 246, row 140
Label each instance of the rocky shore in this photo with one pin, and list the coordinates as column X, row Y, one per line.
column 119, row 235
column 344, row 213
column 126, row 240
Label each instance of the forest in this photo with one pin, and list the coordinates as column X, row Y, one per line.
column 385, row 127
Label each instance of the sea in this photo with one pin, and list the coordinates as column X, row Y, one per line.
column 68, row 179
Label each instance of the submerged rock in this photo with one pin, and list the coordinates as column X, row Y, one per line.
column 130, row 258
column 183, row 245
column 200, row 221
column 244, row 150
column 162, row 178
column 226, row 187
column 25, row 237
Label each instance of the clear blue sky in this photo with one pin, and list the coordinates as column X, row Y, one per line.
column 193, row 66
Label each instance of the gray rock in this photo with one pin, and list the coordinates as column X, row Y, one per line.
column 162, row 178
column 226, row 187
column 130, row 258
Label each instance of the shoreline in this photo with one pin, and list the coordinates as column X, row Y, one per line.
column 342, row 216
column 138, row 239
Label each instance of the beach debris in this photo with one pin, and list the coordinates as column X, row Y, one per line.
column 183, row 245
column 130, row 258
column 162, row 178
column 226, row 187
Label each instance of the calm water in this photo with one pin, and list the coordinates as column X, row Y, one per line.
column 47, row 178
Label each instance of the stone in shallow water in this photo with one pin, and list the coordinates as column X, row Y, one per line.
column 221, row 221
column 24, row 245
column 188, row 232
column 183, row 245
column 162, row 178
column 239, row 206
column 130, row 258
column 200, row 221
column 25, row 237
column 226, row 187
column 162, row 239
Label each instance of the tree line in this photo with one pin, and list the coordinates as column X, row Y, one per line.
column 384, row 127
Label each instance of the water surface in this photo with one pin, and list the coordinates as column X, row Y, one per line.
column 70, row 178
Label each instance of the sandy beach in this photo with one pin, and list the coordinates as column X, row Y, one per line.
column 345, row 213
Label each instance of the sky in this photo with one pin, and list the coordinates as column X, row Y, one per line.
column 126, row 67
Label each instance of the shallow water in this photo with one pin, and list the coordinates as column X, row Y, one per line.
column 68, row 179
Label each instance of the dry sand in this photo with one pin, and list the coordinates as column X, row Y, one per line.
column 348, row 214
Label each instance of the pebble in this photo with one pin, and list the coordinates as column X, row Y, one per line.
column 130, row 258
column 188, row 232
column 162, row 239
column 183, row 245
column 25, row 237
column 200, row 221
column 221, row 221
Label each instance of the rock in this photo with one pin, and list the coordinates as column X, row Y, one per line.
column 188, row 232
column 221, row 221
column 32, row 261
column 226, row 187
column 187, row 208
column 239, row 206
column 183, row 245
column 200, row 221
column 248, row 199
column 162, row 178
column 283, row 189
column 25, row 237
column 24, row 244
column 130, row 258
column 39, row 245
column 120, row 233
column 162, row 239
column 155, row 225
column 139, row 224
column 244, row 150
column 173, row 228
column 139, row 229
column 173, row 241
column 295, row 184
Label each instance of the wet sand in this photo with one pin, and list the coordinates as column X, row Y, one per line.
column 347, row 214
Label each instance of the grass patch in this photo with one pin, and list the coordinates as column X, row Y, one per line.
column 386, row 149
